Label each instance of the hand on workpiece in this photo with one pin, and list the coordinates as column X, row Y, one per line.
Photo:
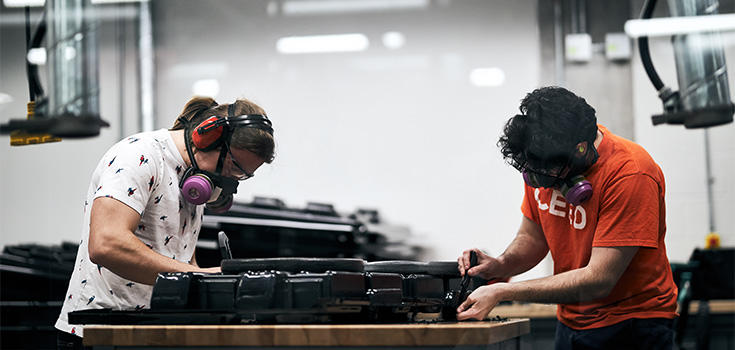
column 479, row 304
column 487, row 267
column 215, row 269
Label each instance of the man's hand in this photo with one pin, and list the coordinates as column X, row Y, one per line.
column 480, row 302
column 216, row 269
column 487, row 266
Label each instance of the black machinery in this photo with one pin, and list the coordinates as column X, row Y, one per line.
column 267, row 227
column 708, row 275
column 34, row 279
column 703, row 99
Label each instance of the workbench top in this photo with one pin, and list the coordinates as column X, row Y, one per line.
column 421, row 334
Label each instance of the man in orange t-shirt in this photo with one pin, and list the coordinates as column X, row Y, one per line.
column 596, row 201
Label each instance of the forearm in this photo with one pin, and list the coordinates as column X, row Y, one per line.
column 522, row 254
column 126, row 256
column 573, row 286
column 193, row 261
column 592, row 282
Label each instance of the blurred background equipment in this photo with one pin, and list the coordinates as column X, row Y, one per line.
column 703, row 99
column 34, row 279
column 267, row 227
column 71, row 106
column 708, row 275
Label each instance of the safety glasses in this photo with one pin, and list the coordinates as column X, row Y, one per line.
column 241, row 174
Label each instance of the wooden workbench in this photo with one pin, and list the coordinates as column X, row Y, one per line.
column 499, row 334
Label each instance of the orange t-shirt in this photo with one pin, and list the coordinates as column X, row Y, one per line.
column 626, row 209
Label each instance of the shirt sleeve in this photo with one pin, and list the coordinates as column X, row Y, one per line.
column 128, row 176
column 629, row 213
column 529, row 207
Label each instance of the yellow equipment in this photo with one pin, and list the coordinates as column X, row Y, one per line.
column 22, row 138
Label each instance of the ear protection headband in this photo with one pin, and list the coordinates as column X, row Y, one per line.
column 211, row 133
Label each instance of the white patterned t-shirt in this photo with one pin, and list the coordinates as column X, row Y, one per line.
column 141, row 171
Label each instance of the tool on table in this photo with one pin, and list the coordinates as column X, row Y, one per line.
column 224, row 245
column 466, row 280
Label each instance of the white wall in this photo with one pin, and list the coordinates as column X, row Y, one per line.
column 681, row 155
column 401, row 130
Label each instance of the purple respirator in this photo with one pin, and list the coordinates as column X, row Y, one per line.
column 197, row 189
column 579, row 191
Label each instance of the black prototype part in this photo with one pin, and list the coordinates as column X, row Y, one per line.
column 437, row 268
column 224, row 245
column 236, row 266
column 264, row 295
column 466, row 280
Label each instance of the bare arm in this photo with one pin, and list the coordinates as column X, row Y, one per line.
column 193, row 261
column 526, row 251
column 594, row 281
column 112, row 244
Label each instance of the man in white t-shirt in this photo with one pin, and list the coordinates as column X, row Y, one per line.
column 144, row 206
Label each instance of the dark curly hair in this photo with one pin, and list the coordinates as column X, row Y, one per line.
column 552, row 121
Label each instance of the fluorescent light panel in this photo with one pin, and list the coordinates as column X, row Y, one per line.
column 322, row 43
column 39, row 3
column 37, row 56
column 115, row 1
column 326, row 7
column 491, row 76
column 5, row 98
column 24, row 3
column 198, row 69
column 394, row 40
column 206, row 87
column 679, row 25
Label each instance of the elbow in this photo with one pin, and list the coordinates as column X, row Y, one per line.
column 98, row 251
column 600, row 287
column 96, row 254
column 601, row 290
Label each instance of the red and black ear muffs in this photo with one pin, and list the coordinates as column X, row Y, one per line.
column 208, row 134
column 215, row 130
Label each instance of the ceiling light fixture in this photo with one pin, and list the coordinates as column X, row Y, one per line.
column 322, row 43
column 679, row 25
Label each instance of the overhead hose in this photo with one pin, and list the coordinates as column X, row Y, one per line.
column 34, row 83
column 648, row 7
column 31, row 88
